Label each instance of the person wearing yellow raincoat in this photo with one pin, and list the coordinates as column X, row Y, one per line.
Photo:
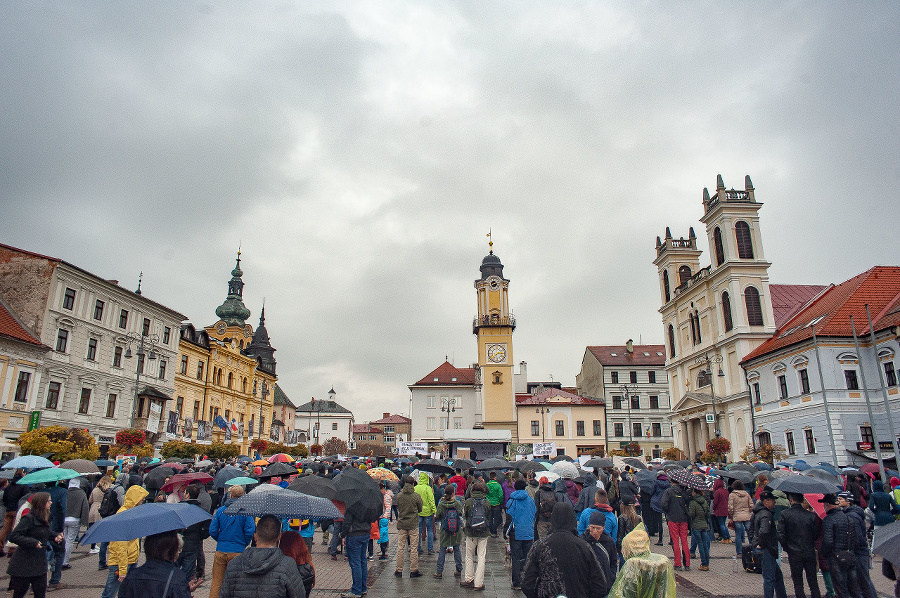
column 125, row 553
column 644, row 574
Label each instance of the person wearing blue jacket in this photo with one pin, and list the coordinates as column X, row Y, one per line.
column 232, row 535
column 601, row 503
column 521, row 511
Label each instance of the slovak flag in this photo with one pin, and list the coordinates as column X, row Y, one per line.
column 234, row 427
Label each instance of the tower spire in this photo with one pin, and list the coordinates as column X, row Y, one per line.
column 490, row 242
column 233, row 310
column 140, row 280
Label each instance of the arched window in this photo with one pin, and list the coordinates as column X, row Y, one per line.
column 754, row 307
column 720, row 247
column 230, row 379
column 693, row 330
column 671, row 341
column 697, row 322
column 666, row 285
column 684, row 274
column 244, row 385
column 744, row 240
column 726, row 311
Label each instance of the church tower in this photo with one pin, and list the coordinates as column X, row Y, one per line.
column 494, row 327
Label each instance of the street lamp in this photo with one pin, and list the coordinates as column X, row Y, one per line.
column 448, row 406
column 706, row 360
column 542, row 411
column 625, row 390
column 146, row 345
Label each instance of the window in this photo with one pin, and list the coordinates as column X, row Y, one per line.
column 117, row 357
column 179, row 406
column 62, row 339
column 457, row 423
column 535, row 427
column 656, row 429
column 69, row 299
column 457, row 401
column 671, row 341
column 744, row 241
column 21, row 395
column 111, row 406
column 228, row 415
column 720, row 247
column 184, row 364
column 651, row 377
column 618, row 430
column 726, row 311
column 636, row 429
column 789, row 441
column 430, row 423
column 98, row 310
column 389, row 429
column 684, row 275
column 890, row 375
column 804, row 381
column 614, row 377
column 162, row 369
column 92, row 349
column 666, row 285
column 810, row 441
column 865, row 434
column 219, row 380
column 146, row 327
column 230, row 379
column 429, row 402
column 654, row 402
column 200, row 373
column 764, row 438
column 167, row 333
column 334, row 425
column 53, row 395
column 85, row 402
column 695, row 328
column 579, row 428
column 635, row 402
column 633, row 377
column 754, row 307
column 140, row 364
column 560, row 428
column 598, row 430
column 196, row 410
column 782, row 387
column 850, row 378
column 123, row 318
column 617, row 402
column 756, row 392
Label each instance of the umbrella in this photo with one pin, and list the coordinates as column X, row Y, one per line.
column 29, row 462
column 801, row 465
column 82, row 466
column 599, row 462
column 314, row 486
column 434, row 466
column 225, row 474
column 144, row 520
column 762, row 466
column 7, row 474
column 266, row 488
column 672, row 467
column 260, row 462
column 886, row 542
column 382, row 474
column 284, row 503
column 463, row 464
column 871, row 468
column 551, row 476
column 336, row 458
column 278, row 469
column 565, row 469
column 634, row 462
column 203, row 463
column 488, row 465
column 744, row 476
column 157, row 477
column 802, row 484
column 244, row 459
column 646, row 479
column 813, row 500
column 783, row 464
column 680, row 476
column 187, row 461
column 526, row 466
column 829, row 468
column 145, row 459
column 173, row 460
column 742, row 467
column 698, row 482
column 851, row 470
column 54, row 474
column 559, row 458
column 281, row 458
column 360, row 493
column 823, row 475
column 104, row 463
column 241, row 481
column 780, row 473
column 183, row 479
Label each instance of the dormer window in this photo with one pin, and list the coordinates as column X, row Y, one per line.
column 436, row 379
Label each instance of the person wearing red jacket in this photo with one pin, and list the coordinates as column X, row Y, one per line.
column 720, row 511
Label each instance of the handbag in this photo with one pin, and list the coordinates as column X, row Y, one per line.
column 845, row 558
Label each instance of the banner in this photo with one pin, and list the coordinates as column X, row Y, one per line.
column 250, row 428
column 187, row 430
column 411, row 448
column 204, row 432
column 34, row 422
column 273, row 433
column 153, row 419
column 544, row 448
column 172, row 425
column 227, row 434
column 240, row 432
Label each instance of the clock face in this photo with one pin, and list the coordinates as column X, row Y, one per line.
column 493, row 282
column 220, row 327
column 247, row 331
column 496, row 353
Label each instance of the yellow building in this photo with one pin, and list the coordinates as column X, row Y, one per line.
column 575, row 424
column 226, row 371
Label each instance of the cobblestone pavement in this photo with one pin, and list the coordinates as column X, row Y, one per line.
column 83, row 580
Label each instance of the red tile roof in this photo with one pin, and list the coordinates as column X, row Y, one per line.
column 643, row 355
column 789, row 299
column 393, row 419
column 543, row 398
column 444, row 376
column 365, row 429
column 11, row 328
column 878, row 287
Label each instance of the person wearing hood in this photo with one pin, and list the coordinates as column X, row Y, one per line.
column 562, row 494
column 740, row 510
column 264, row 570
column 882, row 504
column 601, row 503
column 544, row 499
column 644, row 574
column 589, row 487
column 562, row 563
column 674, row 504
column 477, row 533
column 698, row 512
column 76, row 515
column 603, row 546
column 521, row 511
column 628, row 489
column 573, row 490
column 655, row 511
column 449, row 512
column 426, row 514
column 720, row 510
column 232, row 535
column 533, row 485
column 409, row 504
column 123, row 554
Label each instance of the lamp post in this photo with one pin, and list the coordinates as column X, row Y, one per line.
column 448, row 406
column 542, row 411
column 706, row 360
column 146, row 345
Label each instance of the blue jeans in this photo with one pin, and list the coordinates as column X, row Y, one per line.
column 701, row 538
column 518, row 553
column 187, row 562
column 442, row 555
column 773, row 579
column 723, row 526
column 111, row 589
column 427, row 524
column 58, row 556
column 359, row 565
column 740, row 531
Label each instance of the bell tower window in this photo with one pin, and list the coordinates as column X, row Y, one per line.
column 666, row 285
column 671, row 341
column 684, row 274
column 754, row 307
column 744, row 240
column 726, row 311
column 720, row 247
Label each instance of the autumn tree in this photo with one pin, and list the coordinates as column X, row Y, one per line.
column 179, row 449
column 334, row 446
column 64, row 443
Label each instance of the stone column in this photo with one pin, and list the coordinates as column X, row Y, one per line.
column 684, row 435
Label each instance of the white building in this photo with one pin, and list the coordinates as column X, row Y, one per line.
column 446, row 399
column 320, row 420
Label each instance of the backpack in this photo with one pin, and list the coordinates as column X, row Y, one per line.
column 547, row 502
column 110, row 503
column 451, row 519
column 478, row 515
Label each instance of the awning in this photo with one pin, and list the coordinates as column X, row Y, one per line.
column 477, row 436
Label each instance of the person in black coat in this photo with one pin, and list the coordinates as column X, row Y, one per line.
column 603, row 545
column 563, row 563
column 28, row 565
column 798, row 530
column 158, row 577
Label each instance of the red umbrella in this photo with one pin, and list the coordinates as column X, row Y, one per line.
column 183, row 479
column 813, row 500
column 281, row 458
column 871, row 468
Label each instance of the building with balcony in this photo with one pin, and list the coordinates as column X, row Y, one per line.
column 367, row 435
column 631, row 380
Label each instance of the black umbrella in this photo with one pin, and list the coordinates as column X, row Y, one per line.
column 489, row 465
column 743, row 467
column 227, row 473
column 559, row 458
column 314, row 486
column 278, row 469
column 173, row 460
column 887, row 542
column 646, row 479
column 332, row 458
column 284, row 503
column 525, row 466
column 360, row 492
column 744, row 476
column 635, row 462
column 803, row 484
column 599, row 462
column 463, row 464
column 145, row 459
column 157, row 477
column 698, row 482
column 187, row 461
column 823, row 475
column 434, row 466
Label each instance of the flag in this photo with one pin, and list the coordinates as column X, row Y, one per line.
column 220, row 422
column 234, row 427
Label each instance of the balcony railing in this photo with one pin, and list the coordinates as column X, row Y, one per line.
column 488, row 321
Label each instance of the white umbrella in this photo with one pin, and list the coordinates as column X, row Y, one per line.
column 265, row 488
column 565, row 469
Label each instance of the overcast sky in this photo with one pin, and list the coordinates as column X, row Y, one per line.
column 360, row 151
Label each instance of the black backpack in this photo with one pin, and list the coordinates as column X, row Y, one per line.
column 478, row 515
column 547, row 501
column 110, row 503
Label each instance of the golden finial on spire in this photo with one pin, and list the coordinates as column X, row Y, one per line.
column 490, row 241
column 239, row 249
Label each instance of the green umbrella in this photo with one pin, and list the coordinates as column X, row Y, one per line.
column 54, row 474
column 241, row 481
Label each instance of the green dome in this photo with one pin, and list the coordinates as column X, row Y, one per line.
column 233, row 311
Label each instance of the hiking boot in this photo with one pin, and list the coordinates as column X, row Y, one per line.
column 415, row 574
column 457, row 574
column 467, row 584
column 703, row 568
column 398, row 573
column 438, row 575
column 478, row 588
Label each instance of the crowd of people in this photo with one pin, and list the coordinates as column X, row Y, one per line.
column 585, row 535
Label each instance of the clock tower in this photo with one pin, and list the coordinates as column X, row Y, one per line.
column 494, row 327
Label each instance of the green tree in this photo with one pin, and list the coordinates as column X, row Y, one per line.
column 64, row 443
column 220, row 450
column 301, row 450
column 178, row 449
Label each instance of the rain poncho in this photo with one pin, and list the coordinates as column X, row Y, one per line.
column 644, row 574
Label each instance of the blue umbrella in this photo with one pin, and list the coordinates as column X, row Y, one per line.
column 104, row 463
column 144, row 520
column 225, row 474
column 829, row 468
column 245, row 459
column 801, row 465
column 284, row 503
column 29, row 462
column 783, row 464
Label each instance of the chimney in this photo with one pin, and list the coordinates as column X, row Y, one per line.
column 629, row 346
column 386, row 415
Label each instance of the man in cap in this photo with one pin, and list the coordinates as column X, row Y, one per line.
column 858, row 518
column 798, row 530
column 839, row 543
column 764, row 541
